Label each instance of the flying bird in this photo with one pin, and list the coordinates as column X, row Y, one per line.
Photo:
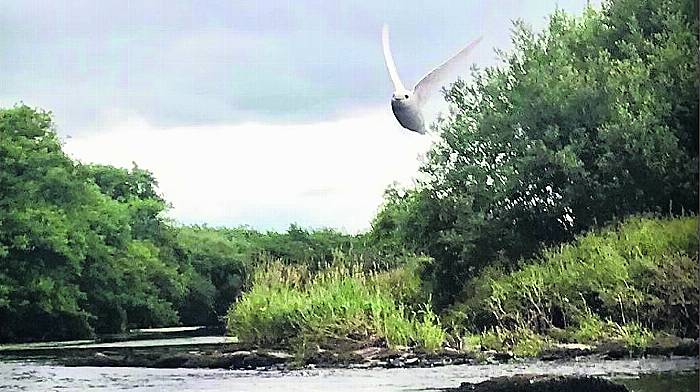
column 407, row 104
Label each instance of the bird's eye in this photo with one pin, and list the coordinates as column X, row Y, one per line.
column 406, row 96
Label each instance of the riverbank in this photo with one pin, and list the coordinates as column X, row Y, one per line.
column 216, row 352
column 220, row 363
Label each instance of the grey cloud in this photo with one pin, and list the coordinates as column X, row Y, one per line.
column 186, row 63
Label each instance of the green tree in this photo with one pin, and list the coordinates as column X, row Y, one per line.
column 217, row 265
column 82, row 249
column 592, row 120
column 43, row 230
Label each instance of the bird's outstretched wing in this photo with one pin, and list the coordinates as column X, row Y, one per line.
column 432, row 80
column 389, row 60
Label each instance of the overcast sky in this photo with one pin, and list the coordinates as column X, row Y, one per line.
column 261, row 113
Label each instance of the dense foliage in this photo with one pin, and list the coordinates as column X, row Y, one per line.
column 85, row 248
column 590, row 121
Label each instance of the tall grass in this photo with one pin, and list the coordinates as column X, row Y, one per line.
column 287, row 305
column 622, row 283
column 619, row 283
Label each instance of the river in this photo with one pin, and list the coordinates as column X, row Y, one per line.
column 675, row 374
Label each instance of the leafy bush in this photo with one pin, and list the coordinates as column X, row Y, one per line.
column 523, row 342
column 593, row 330
column 590, row 329
column 633, row 335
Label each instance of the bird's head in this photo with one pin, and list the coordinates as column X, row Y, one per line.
column 401, row 95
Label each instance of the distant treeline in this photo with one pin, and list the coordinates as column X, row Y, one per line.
column 86, row 248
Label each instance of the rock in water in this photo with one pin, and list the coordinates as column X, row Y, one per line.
column 543, row 384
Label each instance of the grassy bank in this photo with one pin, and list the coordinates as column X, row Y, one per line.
column 629, row 284
column 289, row 306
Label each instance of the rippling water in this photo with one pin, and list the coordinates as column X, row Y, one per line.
column 41, row 376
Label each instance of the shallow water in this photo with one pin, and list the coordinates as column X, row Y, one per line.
column 663, row 382
column 42, row 376
column 83, row 344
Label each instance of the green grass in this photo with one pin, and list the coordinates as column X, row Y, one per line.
column 288, row 306
column 523, row 342
column 623, row 283
column 592, row 330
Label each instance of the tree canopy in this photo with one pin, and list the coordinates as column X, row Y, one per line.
column 87, row 249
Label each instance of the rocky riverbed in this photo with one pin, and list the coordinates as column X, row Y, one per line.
column 223, row 353
column 561, row 367
column 543, row 384
column 642, row 375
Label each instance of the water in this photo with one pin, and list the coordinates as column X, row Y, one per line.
column 663, row 382
column 24, row 375
column 92, row 344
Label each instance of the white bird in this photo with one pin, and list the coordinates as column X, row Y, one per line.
column 407, row 105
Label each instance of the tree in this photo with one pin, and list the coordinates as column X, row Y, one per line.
column 217, row 271
column 43, row 230
column 74, row 260
column 590, row 121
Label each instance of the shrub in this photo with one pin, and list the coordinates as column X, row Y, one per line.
column 523, row 342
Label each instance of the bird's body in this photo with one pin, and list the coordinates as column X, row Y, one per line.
column 408, row 114
column 407, row 105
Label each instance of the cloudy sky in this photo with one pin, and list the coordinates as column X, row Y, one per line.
column 261, row 113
